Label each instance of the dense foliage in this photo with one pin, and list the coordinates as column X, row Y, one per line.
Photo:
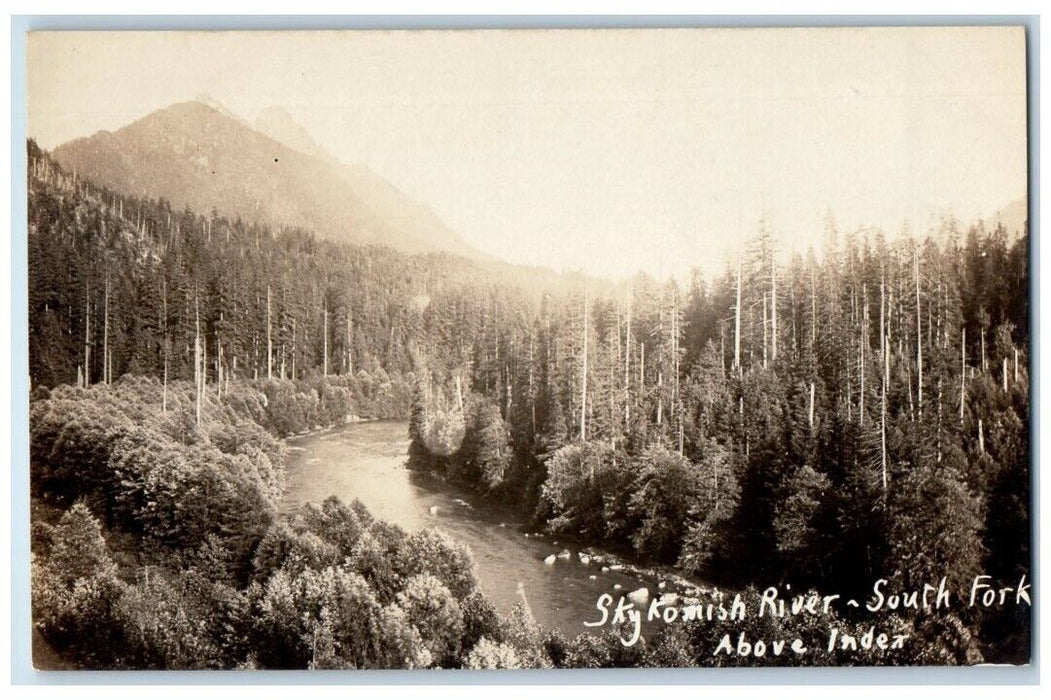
column 158, row 543
column 822, row 423
column 167, row 551
column 119, row 284
column 819, row 421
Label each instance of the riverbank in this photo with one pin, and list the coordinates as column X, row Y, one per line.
column 367, row 461
column 349, row 420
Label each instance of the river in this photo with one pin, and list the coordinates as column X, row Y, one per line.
column 367, row 461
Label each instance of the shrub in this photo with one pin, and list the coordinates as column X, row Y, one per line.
column 488, row 654
column 435, row 614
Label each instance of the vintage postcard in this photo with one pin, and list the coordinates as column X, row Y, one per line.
column 514, row 349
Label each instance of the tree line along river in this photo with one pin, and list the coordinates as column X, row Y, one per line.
column 561, row 581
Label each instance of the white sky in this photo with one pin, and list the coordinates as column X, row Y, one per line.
column 608, row 150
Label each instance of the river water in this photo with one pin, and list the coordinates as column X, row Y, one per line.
column 367, row 461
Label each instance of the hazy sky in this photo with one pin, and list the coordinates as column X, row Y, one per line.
column 603, row 150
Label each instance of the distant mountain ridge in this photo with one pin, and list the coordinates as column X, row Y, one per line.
column 1014, row 216
column 200, row 155
column 386, row 200
column 279, row 125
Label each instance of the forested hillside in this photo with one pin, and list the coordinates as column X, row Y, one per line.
column 824, row 420
column 198, row 154
column 123, row 285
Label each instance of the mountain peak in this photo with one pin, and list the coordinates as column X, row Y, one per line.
column 278, row 124
column 209, row 101
column 202, row 155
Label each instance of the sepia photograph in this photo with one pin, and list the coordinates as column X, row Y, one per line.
column 529, row 348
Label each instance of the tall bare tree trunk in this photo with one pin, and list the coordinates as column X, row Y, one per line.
column 682, row 431
column 963, row 371
column 737, row 320
column 614, row 370
column 627, row 361
column 882, row 310
column 919, row 341
column 864, row 343
column 87, row 335
column 324, row 365
column 660, row 360
column 912, row 405
column 218, row 362
column 890, row 316
column 885, row 352
column 204, row 363
column 764, row 330
column 861, row 388
column 584, row 375
column 269, row 340
column 773, row 307
column 939, row 418
column 197, row 357
column 105, row 335
column 350, row 341
column 676, row 399
column 850, row 387
column 811, row 412
column 532, row 390
column 164, row 326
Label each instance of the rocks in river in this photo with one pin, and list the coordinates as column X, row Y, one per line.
column 605, row 569
column 616, row 567
column 433, row 510
column 592, row 577
column 661, row 585
column 639, row 595
column 617, row 586
column 551, row 558
column 584, row 558
column 669, row 598
column 505, row 525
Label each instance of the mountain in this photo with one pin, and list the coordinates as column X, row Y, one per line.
column 200, row 155
column 385, row 201
column 279, row 125
column 1013, row 216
